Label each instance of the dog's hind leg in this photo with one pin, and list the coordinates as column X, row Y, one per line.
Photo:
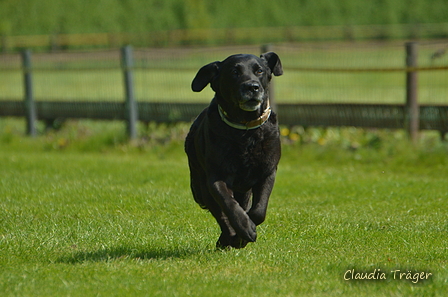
column 262, row 191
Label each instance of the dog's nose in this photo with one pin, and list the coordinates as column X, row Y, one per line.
column 253, row 87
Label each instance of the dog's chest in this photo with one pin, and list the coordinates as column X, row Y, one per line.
column 250, row 161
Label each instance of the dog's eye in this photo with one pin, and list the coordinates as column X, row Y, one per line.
column 259, row 71
column 235, row 72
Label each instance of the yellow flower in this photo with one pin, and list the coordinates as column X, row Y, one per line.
column 321, row 141
column 284, row 131
column 62, row 142
column 294, row 136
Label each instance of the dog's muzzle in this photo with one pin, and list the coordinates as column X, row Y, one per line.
column 251, row 96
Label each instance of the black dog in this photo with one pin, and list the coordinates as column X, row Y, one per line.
column 233, row 146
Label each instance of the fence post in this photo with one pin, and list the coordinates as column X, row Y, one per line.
column 30, row 106
column 412, row 107
column 131, row 111
column 4, row 43
column 54, row 42
column 264, row 49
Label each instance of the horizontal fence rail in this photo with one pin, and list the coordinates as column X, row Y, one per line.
column 345, row 70
column 148, row 111
column 410, row 115
column 388, row 116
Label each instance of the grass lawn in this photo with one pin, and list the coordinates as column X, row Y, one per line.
column 83, row 218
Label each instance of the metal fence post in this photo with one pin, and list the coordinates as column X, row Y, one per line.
column 30, row 106
column 264, row 49
column 412, row 107
column 3, row 43
column 131, row 111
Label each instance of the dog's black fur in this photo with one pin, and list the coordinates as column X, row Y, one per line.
column 232, row 170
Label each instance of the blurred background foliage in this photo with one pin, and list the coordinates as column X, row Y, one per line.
column 31, row 17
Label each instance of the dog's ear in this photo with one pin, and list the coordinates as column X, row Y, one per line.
column 205, row 76
column 274, row 63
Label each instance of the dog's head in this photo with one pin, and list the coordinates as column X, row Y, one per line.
column 240, row 81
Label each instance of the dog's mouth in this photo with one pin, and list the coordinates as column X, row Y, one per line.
column 251, row 104
column 251, row 101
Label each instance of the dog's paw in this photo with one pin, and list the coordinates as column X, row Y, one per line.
column 227, row 242
column 246, row 229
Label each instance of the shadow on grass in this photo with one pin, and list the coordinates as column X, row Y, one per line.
column 126, row 253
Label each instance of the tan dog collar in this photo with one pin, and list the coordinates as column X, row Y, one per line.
column 246, row 125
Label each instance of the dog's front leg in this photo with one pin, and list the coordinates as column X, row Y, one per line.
column 261, row 191
column 238, row 218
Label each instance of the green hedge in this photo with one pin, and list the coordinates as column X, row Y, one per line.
column 22, row 17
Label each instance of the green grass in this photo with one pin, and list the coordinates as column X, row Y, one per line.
column 83, row 212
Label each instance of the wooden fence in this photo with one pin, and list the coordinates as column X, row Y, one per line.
column 410, row 115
